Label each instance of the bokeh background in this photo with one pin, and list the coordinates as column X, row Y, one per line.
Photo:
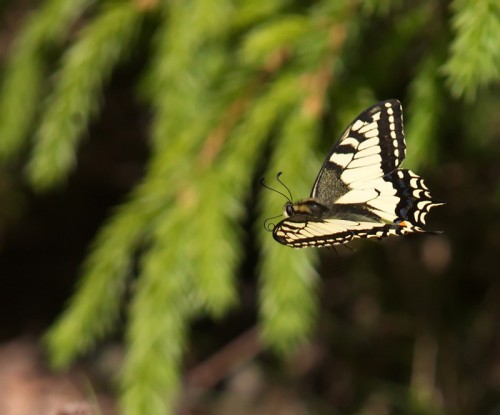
column 136, row 276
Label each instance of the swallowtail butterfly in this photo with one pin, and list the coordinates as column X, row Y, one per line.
column 360, row 191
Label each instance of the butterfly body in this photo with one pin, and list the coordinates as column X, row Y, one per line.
column 360, row 191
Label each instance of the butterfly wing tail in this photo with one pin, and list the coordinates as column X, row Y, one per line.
column 415, row 200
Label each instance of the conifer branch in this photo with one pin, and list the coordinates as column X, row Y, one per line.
column 287, row 276
column 96, row 304
column 22, row 85
column 161, row 310
column 425, row 111
column 170, row 268
column 267, row 39
column 95, row 307
column 177, row 83
column 250, row 12
column 85, row 68
column 474, row 60
column 222, row 190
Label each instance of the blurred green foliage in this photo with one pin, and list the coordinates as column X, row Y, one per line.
column 236, row 88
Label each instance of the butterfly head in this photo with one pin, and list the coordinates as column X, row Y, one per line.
column 289, row 210
column 309, row 207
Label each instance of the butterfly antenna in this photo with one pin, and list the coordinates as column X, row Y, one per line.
column 268, row 225
column 284, row 185
column 263, row 184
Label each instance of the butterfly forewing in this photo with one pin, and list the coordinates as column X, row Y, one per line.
column 372, row 146
column 360, row 186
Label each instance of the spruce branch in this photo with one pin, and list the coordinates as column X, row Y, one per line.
column 84, row 69
column 95, row 307
column 22, row 85
column 218, row 271
column 222, row 189
column 474, row 60
column 162, row 307
column 288, row 304
column 425, row 111
column 287, row 276
column 177, row 85
column 250, row 12
column 266, row 39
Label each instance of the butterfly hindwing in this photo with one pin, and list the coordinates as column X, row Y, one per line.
column 414, row 198
column 331, row 232
column 360, row 192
